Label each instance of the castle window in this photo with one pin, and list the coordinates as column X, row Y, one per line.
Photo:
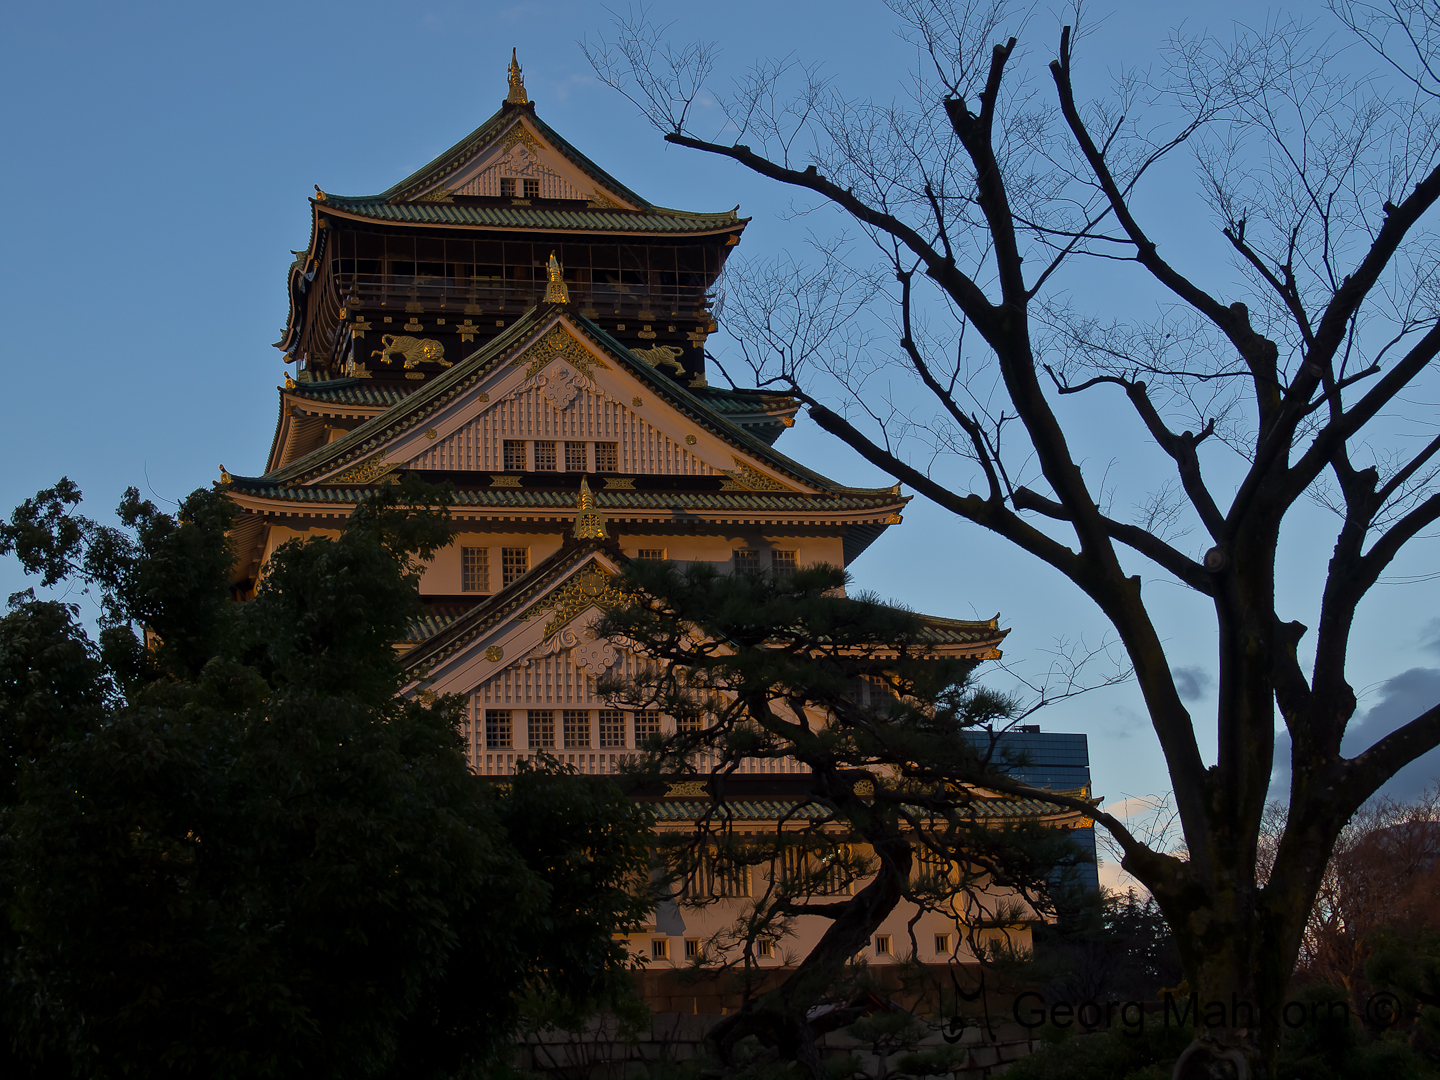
column 499, row 734
column 532, row 189
column 612, row 728
column 654, row 554
column 474, row 569
column 647, row 726
column 942, row 944
column 782, row 562
column 765, row 948
column 577, row 728
column 690, row 722
column 541, row 724
column 692, row 948
column 607, row 457
column 545, row 457
column 514, row 455
column 513, row 563
column 882, row 944
column 575, row 457
column 746, row 559
column 659, row 948
column 507, row 187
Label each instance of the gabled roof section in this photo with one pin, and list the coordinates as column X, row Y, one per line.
column 573, row 194
column 513, row 124
column 537, row 594
column 539, row 337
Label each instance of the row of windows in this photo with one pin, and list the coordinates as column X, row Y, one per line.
column 575, row 729
column 884, row 945
column 694, row 947
column 544, row 455
column 475, row 567
column 782, row 562
column 515, row 561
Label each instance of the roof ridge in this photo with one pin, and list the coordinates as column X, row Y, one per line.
column 333, row 452
column 526, row 588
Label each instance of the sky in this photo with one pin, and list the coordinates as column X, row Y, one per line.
column 159, row 158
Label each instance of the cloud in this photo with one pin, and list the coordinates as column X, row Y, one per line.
column 1191, row 683
column 1402, row 699
column 1430, row 636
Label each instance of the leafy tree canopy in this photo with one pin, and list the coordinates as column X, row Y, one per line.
column 228, row 848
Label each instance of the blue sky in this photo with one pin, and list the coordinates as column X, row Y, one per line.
column 158, row 161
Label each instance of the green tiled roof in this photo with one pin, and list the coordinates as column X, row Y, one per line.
column 743, row 401
column 564, row 500
column 428, row 622
column 772, row 809
column 352, row 392
column 531, row 218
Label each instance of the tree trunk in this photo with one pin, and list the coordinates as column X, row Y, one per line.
column 780, row 1018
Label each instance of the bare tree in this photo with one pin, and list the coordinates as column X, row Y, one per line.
column 981, row 192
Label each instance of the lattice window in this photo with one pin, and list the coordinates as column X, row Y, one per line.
column 654, row 554
column 474, row 569
column 882, row 944
column 659, row 948
column 577, row 728
column 532, row 189
column 507, row 187
column 765, row 948
column 545, row 457
column 942, row 944
column 541, row 725
column 513, row 563
column 514, row 455
column 798, row 867
column 690, row 722
column 576, row 457
column 612, row 728
column 746, row 559
column 693, row 948
column 715, row 877
column 499, row 730
column 607, row 457
column 783, row 562
column 647, row 726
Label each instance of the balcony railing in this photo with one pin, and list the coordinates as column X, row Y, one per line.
column 491, row 295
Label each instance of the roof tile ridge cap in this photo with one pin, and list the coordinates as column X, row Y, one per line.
column 586, row 165
column 351, row 447
column 463, row 149
column 989, row 624
column 721, row 215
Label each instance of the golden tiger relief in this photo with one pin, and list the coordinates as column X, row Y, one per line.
column 412, row 350
column 662, row 356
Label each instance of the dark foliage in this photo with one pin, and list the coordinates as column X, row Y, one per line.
column 227, row 848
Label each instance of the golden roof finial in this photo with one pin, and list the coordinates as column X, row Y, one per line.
column 555, row 291
column 517, row 83
column 589, row 522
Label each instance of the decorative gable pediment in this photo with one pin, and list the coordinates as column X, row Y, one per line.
column 558, row 387
column 520, row 153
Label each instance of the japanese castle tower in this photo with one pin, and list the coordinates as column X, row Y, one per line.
column 514, row 320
